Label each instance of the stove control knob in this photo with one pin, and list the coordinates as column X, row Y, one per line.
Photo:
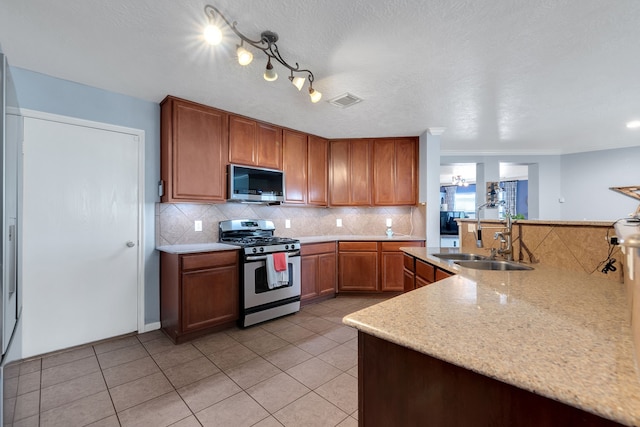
column 261, row 249
column 286, row 247
column 254, row 250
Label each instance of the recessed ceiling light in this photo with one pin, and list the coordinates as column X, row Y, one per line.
column 635, row 124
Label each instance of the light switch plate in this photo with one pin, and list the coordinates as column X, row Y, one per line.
column 287, row 223
column 198, row 225
column 338, row 222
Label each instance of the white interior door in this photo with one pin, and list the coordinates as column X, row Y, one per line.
column 81, row 207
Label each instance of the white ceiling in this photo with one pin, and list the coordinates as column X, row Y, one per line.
column 509, row 76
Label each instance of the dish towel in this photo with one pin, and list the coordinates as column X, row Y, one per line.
column 277, row 270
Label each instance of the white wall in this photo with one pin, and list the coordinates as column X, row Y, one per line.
column 549, row 179
column 586, row 178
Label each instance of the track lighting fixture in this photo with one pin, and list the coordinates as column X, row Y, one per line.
column 267, row 44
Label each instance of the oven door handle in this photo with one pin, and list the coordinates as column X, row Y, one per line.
column 264, row 257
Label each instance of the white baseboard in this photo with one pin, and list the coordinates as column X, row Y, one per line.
column 148, row 327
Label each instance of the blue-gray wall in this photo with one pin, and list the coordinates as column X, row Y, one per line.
column 44, row 93
column 586, row 178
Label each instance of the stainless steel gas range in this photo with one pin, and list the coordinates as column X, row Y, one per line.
column 260, row 299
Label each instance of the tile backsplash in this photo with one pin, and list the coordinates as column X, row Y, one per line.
column 175, row 221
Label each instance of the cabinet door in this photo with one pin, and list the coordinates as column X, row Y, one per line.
column 317, row 171
column 295, row 166
column 269, row 146
column 392, row 265
column 209, row 297
column 384, row 171
column 339, row 173
column 441, row 274
column 327, row 274
column 193, row 152
column 308, row 275
column 360, row 175
column 409, row 280
column 406, row 179
column 395, row 174
column 358, row 271
column 242, row 140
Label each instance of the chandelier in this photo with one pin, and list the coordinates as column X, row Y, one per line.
column 459, row 181
column 267, row 44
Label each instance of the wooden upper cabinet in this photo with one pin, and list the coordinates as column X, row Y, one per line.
column 254, row 143
column 350, row 173
column 194, row 148
column 395, row 171
column 317, row 168
column 294, row 164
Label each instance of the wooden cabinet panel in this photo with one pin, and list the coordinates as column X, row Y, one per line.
column 339, row 189
column 392, row 271
column 194, row 145
column 406, row 178
column 254, row 143
column 308, row 277
column 295, row 166
column 394, row 172
column 425, row 271
column 198, row 293
column 327, row 264
column 409, row 263
column 441, row 274
column 384, row 172
column 360, row 172
column 318, row 270
column 317, row 171
column 269, row 146
column 409, row 279
column 358, row 271
column 242, row 140
column 357, row 246
column 209, row 297
column 420, row 282
column 349, row 173
column 393, row 263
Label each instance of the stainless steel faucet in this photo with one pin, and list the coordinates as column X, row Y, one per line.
column 479, row 226
column 506, row 246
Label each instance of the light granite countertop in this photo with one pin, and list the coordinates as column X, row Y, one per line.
column 556, row 333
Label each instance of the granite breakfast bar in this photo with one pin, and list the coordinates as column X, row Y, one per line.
column 539, row 347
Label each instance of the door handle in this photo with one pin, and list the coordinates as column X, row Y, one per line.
column 130, row 244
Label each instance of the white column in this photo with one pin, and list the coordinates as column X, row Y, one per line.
column 430, row 182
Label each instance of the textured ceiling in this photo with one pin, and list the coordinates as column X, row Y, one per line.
column 509, row 76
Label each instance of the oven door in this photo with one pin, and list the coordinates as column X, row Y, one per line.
column 255, row 289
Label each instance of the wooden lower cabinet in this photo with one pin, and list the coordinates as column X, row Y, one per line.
column 318, row 268
column 398, row 386
column 357, row 266
column 369, row 266
column 392, row 265
column 198, row 293
column 418, row 273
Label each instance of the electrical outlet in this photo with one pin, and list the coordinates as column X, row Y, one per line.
column 471, row 228
column 287, row 223
column 338, row 222
column 198, row 225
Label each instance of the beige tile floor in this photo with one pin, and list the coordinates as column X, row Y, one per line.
column 300, row 370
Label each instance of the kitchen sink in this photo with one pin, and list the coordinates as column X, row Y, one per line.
column 460, row 256
column 491, row 264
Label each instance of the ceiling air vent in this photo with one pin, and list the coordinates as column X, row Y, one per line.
column 345, row 100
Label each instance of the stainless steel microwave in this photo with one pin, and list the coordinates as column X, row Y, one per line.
column 249, row 184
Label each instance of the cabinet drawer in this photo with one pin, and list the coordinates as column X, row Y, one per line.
column 441, row 274
column 425, row 271
column 409, row 263
column 317, row 248
column 358, row 246
column 395, row 246
column 209, row 259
